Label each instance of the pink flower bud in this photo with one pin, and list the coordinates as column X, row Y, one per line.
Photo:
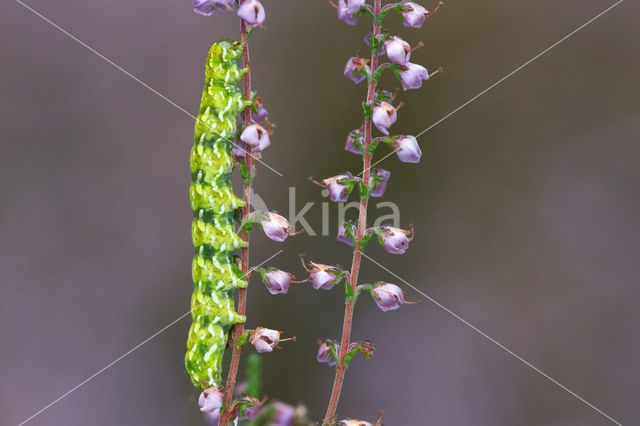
column 323, row 277
column 354, row 136
column 346, row 9
column 414, row 16
column 238, row 150
column 265, row 339
column 324, row 353
column 275, row 227
column 388, row 296
column 381, row 185
column 342, row 234
column 398, row 51
column 384, row 115
column 210, row 401
column 262, row 112
column 277, row 281
column 412, row 76
column 338, row 190
column 252, row 12
column 356, row 69
column 256, row 137
column 395, row 240
column 407, row 149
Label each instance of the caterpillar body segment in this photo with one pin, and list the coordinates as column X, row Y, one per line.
column 215, row 273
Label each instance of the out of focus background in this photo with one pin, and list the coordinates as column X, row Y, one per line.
column 526, row 206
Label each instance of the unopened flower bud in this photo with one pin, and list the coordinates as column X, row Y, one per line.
column 252, row 12
column 412, row 76
column 388, row 296
column 356, row 69
column 398, row 51
column 342, row 234
column 381, row 185
column 265, row 339
column 346, row 9
column 395, row 240
column 275, row 227
column 384, row 115
column 354, row 137
column 338, row 191
column 324, row 353
column 262, row 113
column 256, row 137
column 277, row 281
column 414, row 16
column 407, row 149
column 210, row 401
column 238, row 150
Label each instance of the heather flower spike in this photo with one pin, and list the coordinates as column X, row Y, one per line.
column 252, row 12
column 357, row 69
column 388, row 297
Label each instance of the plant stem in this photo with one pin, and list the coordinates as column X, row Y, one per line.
column 362, row 225
column 238, row 329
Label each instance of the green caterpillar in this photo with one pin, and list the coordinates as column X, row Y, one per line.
column 215, row 272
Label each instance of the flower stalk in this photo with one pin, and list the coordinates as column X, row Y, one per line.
column 362, row 223
column 238, row 329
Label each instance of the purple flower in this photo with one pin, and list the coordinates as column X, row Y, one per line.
column 284, row 414
column 324, row 353
column 395, row 240
column 353, row 422
column 412, row 76
column 203, row 7
column 355, row 136
column 384, row 115
column 210, row 401
column 251, row 412
column 323, row 277
column 398, row 51
column 356, row 69
column 252, row 12
column 238, row 150
column 407, row 149
column 342, row 234
column 256, row 137
column 346, row 9
column 277, row 281
column 338, row 190
column 262, row 112
column 365, row 347
column 381, row 185
column 275, row 227
column 265, row 339
column 414, row 16
column 388, row 296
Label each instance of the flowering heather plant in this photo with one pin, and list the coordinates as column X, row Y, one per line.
column 242, row 146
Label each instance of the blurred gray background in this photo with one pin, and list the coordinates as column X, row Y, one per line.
column 526, row 206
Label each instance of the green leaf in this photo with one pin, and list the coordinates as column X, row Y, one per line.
column 348, row 356
column 364, row 240
column 367, row 110
column 245, row 173
column 254, row 375
column 364, row 191
column 348, row 291
column 241, row 341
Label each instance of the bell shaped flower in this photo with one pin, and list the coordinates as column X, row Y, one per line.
column 346, row 9
column 407, row 149
column 357, row 69
column 345, row 233
column 381, row 183
column 388, row 296
column 414, row 15
column 384, row 115
column 339, row 187
column 277, row 281
column 210, row 401
column 411, row 77
column 323, row 277
column 354, row 142
column 252, row 12
column 398, row 51
column 256, row 137
column 275, row 227
column 395, row 240
column 324, row 352
column 265, row 339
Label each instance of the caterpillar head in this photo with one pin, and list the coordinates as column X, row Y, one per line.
column 222, row 62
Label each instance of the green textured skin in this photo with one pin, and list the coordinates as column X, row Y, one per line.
column 215, row 274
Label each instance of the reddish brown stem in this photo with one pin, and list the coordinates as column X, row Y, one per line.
column 362, row 226
column 238, row 329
